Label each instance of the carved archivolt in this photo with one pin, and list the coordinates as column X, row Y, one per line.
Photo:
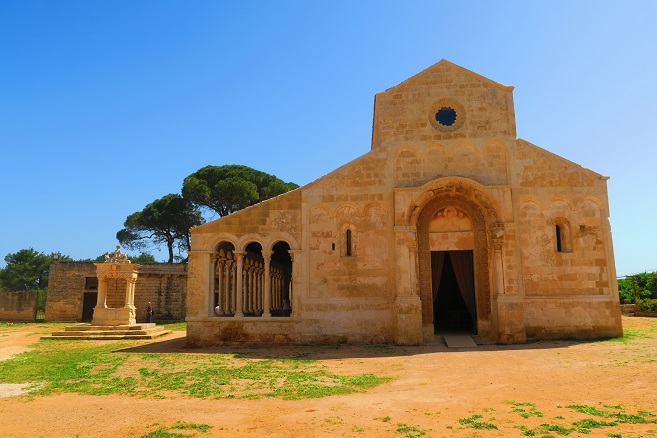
column 456, row 187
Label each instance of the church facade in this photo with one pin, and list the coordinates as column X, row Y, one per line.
column 449, row 223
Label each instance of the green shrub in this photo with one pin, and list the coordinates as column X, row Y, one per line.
column 646, row 305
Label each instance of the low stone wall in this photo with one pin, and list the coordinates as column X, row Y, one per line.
column 627, row 309
column 19, row 306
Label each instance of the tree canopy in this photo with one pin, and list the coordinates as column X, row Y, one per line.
column 141, row 258
column 166, row 220
column 638, row 286
column 28, row 269
column 226, row 189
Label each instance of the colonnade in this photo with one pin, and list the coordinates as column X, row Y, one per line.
column 245, row 286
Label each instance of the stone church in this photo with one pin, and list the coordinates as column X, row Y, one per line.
column 448, row 224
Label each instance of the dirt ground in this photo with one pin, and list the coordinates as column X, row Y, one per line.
column 433, row 388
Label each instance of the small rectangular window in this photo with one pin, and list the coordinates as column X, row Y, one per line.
column 558, row 235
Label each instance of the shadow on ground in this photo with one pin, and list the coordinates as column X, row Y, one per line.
column 177, row 343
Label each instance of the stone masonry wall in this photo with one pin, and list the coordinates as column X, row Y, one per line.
column 18, row 306
column 66, row 286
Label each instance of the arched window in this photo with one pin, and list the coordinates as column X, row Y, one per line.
column 562, row 235
column 348, row 243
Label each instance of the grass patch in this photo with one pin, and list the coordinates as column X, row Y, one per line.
column 525, row 409
column 410, row 431
column 590, row 423
column 474, row 422
column 164, row 432
column 69, row 366
column 176, row 326
column 557, row 428
column 630, row 335
column 621, row 417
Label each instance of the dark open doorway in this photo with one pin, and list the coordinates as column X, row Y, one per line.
column 88, row 303
column 454, row 307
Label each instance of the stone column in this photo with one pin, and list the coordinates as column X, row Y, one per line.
column 408, row 305
column 229, row 307
column 412, row 265
column 219, row 273
column 102, row 293
column 295, row 283
column 259, row 289
column 238, row 292
column 233, row 289
column 129, row 290
column 266, row 306
column 251, row 287
column 497, row 237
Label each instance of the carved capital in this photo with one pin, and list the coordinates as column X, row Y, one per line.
column 497, row 235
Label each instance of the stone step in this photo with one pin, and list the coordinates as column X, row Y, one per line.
column 84, row 327
column 87, row 331
column 107, row 336
column 105, row 332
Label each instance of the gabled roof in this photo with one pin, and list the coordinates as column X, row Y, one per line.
column 445, row 63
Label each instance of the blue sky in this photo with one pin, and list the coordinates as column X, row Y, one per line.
column 106, row 106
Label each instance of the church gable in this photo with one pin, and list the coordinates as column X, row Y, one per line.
column 443, row 102
column 536, row 167
column 281, row 212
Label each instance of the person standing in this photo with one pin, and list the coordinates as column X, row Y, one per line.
column 149, row 312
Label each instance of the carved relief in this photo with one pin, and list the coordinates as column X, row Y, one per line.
column 319, row 214
column 450, row 219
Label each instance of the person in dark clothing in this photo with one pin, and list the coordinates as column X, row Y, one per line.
column 149, row 312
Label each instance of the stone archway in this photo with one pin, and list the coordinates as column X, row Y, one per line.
column 485, row 230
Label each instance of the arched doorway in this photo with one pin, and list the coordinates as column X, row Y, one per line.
column 224, row 297
column 253, row 280
column 454, row 224
column 281, row 280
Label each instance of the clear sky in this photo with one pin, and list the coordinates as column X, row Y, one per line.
column 106, row 106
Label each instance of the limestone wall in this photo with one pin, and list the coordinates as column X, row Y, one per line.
column 66, row 286
column 165, row 285
column 18, row 306
column 403, row 114
column 552, row 192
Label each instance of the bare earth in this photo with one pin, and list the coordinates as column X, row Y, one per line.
column 434, row 387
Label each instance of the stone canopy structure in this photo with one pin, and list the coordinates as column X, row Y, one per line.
column 449, row 223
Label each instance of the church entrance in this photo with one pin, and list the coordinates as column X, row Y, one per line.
column 453, row 291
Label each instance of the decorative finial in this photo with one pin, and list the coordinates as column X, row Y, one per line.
column 117, row 256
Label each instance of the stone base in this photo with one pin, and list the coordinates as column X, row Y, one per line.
column 113, row 332
column 106, row 316
column 409, row 321
column 511, row 316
